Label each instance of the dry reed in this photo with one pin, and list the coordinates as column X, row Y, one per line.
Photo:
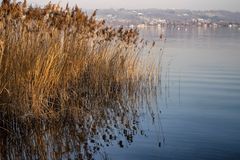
column 53, row 58
column 62, row 68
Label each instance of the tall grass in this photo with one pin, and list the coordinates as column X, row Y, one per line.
column 64, row 77
column 54, row 60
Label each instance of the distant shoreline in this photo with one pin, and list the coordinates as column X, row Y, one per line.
column 159, row 18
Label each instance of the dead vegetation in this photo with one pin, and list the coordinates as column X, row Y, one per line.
column 60, row 67
column 53, row 60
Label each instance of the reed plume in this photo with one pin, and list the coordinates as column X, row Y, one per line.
column 54, row 59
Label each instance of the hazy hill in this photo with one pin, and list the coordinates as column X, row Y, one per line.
column 170, row 15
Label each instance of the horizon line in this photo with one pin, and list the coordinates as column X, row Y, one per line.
column 201, row 10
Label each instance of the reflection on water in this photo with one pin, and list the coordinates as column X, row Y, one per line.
column 200, row 98
column 76, row 137
column 83, row 131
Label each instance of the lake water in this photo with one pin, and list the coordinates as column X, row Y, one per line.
column 199, row 102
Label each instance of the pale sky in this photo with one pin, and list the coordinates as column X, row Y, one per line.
column 231, row 5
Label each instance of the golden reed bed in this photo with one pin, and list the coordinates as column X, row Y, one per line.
column 67, row 79
column 54, row 60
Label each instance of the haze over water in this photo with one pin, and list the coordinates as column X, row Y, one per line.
column 231, row 5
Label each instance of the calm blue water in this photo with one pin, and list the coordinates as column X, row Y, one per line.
column 200, row 100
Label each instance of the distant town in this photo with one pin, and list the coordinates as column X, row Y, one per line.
column 171, row 17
